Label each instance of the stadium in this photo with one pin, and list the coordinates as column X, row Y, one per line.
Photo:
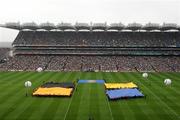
column 128, row 48
column 95, row 71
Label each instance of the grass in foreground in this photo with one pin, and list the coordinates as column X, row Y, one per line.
column 161, row 103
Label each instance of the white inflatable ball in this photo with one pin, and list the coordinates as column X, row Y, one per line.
column 167, row 81
column 27, row 84
column 145, row 75
column 39, row 69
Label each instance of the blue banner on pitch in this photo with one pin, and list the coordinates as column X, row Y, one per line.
column 91, row 81
column 123, row 93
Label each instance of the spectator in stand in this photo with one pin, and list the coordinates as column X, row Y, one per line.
column 85, row 63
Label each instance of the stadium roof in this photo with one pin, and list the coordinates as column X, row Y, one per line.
column 82, row 26
column 134, row 26
column 47, row 26
column 12, row 25
column 151, row 26
column 93, row 26
column 169, row 26
column 116, row 26
column 65, row 26
column 31, row 26
column 99, row 26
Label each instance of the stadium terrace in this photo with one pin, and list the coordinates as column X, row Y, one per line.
column 102, row 48
column 91, row 72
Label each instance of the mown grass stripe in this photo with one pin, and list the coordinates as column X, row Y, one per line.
column 16, row 100
column 131, row 114
column 117, row 111
column 170, row 95
column 73, row 111
column 13, row 89
column 42, row 113
column 62, row 112
column 141, row 105
column 166, row 91
column 162, row 103
column 155, row 104
column 69, row 105
column 29, row 107
column 89, row 99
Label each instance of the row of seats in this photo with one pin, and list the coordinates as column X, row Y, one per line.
column 98, row 38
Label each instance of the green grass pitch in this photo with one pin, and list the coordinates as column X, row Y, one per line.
column 162, row 102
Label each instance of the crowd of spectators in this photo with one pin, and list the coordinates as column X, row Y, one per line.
column 122, row 39
column 62, row 51
column 25, row 62
column 92, row 63
column 3, row 52
column 96, row 52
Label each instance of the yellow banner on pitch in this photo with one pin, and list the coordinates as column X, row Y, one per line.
column 120, row 85
column 54, row 91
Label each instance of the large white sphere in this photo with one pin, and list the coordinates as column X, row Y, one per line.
column 27, row 84
column 167, row 81
column 145, row 75
column 39, row 69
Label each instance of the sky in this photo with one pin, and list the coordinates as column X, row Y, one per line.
column 110, row 11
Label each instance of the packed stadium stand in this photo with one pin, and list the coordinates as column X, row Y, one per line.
column 115, row 39
column 104, row 50
column 4, row 52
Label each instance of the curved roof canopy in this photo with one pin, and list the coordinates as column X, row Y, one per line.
column 134, row 26
column 29, row 25
column 12, row 25
column 47, row 26
column 99, row 26
column 169, row 26
column 151, row 26
column 65, row 26
column 82, row 26
column 116, row 26
column 94, row 26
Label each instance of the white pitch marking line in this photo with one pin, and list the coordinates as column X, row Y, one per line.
column 109, row 108
column 69, row 104
column 161, row 101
